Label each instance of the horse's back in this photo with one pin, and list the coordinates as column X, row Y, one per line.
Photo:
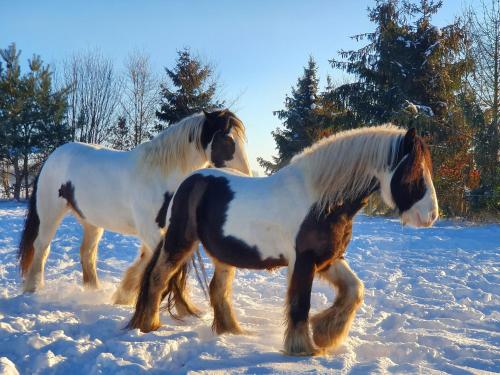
column 83, row 162
column 98, row 179
column 256, row 211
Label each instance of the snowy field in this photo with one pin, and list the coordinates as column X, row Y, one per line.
column 431, row 307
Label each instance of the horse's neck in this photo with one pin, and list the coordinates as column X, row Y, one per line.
column 196, row 159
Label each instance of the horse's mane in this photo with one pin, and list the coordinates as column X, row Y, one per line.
column 171, row 147
column 342, row 166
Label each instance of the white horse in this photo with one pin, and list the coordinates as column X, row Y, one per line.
column 125, row 192
column 300, row 217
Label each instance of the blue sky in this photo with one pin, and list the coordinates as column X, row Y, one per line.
column 259, row 47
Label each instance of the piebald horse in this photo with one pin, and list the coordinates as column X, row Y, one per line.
column 300, row 217
column 123, row 191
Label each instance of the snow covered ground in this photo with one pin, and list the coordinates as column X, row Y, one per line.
column 431, row 307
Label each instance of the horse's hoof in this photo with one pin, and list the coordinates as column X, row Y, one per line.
column 152, row 327
column 238, row 331
column 230, row 331
column 309, row 353
column 91, row 286
column 30, row 289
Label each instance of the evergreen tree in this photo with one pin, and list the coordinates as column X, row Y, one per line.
column 121, row 138
column 31, row 116
column 190, row 89
column 410, row 73
column 302, row 121
column 405, row 66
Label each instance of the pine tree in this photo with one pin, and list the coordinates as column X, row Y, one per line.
column 190, row 89
column 121, row 138
column 302, row 121
column 31, row 116
column 409, row 73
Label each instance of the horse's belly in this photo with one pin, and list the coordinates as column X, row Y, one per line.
column 110, row 218
column 259, row 245
column 104, row 207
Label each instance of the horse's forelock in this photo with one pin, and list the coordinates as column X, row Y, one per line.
column 221, row 120
column 419, row 158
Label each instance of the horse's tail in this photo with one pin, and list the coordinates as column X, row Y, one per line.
column 26, row 250
column 142, row 298
column 175, row 291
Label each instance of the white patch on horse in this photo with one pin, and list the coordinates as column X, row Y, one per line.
column 267, row 222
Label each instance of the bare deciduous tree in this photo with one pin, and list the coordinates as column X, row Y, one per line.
column 484, row 32
column 141, row 96
column 94, row 98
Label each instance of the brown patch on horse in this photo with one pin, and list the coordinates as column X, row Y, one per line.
column 408, row 184
column 223, row 148
column 67, row 191
column 162, row 213
column 327, row 234
column 26, row 250
column 195, row 197
column 223, row 121
column 298, row 304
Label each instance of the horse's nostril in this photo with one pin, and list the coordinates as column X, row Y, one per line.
column 434, row 215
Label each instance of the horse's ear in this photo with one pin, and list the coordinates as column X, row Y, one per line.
column 210, row 115
column 213, row 115
column 409, row 140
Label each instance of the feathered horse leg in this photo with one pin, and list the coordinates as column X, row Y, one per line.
column 155, row 282
column 297, row 338
column 127, row 291
column 220, row 299
column 331, row 326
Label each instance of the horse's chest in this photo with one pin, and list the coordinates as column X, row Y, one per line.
column 327, row 237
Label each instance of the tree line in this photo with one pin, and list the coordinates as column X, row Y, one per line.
column 442, row 81
column 92, row 103
column 445, row 81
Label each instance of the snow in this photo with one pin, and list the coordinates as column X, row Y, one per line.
column 417, row 108
column 429, row 50
column 431, row 306
column 426, row 110
column 436, row 30
column 407, row 42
